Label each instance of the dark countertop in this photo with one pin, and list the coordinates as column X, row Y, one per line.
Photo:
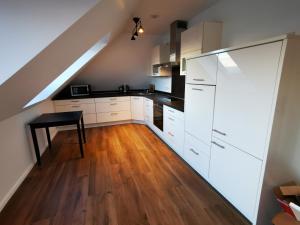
column 164, row 98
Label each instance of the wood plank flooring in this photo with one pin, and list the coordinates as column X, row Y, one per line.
column 128, row 177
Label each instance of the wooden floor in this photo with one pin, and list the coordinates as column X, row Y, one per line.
column 128, row 177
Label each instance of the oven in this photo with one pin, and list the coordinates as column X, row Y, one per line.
column 158, row 115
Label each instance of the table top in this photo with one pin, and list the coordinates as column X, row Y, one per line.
column 56, row 119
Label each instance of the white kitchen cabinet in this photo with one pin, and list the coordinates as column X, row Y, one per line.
column 246, row 81
column 113, row 106
column 202, row 70
column 87, row 106
column 148, row 111
column 235, row 175
column 113, row 116
column 161, row 54
column 198, row 39
column 137, row 108
column 174, row 129
column 199, row 111
column 113, row 99
column 197, row 155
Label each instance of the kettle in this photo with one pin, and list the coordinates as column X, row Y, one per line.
column 124, row 88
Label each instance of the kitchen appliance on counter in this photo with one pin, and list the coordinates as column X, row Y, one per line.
column 124, row 88
column 151, row 88
column 80, row 90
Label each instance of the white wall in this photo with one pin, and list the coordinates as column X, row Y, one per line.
column 253, row 20
column 123, row 61
column 28, row 26
column 17, row 154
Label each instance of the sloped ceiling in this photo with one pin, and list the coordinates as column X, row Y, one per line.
column 108, row 16
column 28, row 26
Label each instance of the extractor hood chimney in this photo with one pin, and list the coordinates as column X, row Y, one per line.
column 175, row 40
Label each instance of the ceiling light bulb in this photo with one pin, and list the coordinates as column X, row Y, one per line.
column 141, row 30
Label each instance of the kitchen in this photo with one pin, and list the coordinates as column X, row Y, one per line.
column 215, row 119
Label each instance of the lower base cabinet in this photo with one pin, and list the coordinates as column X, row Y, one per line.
column 235, row 174
column 113, row 116
column 197, row 155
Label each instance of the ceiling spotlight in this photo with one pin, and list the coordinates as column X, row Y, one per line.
column 137, row 28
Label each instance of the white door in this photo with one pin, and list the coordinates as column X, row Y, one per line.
column 137, row 108
column 246, row 83
column 199, row 110
column 235, row 174
column 202, row 70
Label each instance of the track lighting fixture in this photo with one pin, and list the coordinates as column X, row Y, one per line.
column 138, row 28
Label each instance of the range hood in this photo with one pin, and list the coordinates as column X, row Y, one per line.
column 173, row 53
column 175, row 40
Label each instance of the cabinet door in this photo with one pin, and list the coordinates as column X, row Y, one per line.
column 246, row 82
column 199, row 107
column 235, row 174
column 197, row 155
column 191, row 39
column 137, row 108
column 202, row 70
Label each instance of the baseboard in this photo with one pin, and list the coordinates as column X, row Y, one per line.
column 14, row 188
column 20, row 180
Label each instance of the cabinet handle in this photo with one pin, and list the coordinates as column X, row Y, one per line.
column 193, row 151
column 219, row 132
column 171, row 119
column 75, row 106
column 198, row 79
column 114, row 114
column 75, row 101
column 113, row 99
column 220, row 146
column 197, row 89
column 113, row 104
column 136, row 98
column 171, row 134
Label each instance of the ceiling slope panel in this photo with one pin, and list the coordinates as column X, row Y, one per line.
column 108, row 16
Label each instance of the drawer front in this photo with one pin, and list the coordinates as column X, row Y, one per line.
column 86, row 108
column 197, row 155
column 173, row 112
column 113, row 116
column 202, row 70
column 174, row 133
column 90, row 118
column 74, row 101
column 113, row 106
column 113, row 99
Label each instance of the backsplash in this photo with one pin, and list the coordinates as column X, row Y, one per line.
column 163, row 84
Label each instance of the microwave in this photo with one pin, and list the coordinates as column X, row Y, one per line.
column 80, row 90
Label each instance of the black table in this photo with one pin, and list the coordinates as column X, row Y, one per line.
column 54, row 120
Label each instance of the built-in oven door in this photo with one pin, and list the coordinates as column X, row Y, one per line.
column 158, row 116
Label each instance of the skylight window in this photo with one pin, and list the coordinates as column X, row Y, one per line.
column 70, row 71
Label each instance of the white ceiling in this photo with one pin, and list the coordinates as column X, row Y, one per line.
column 167, row 11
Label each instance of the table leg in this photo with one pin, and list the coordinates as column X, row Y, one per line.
column 80, row 140
column 48, row 137
column 36, row 146
column 83, row 131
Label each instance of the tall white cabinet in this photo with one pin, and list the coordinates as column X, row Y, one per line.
column 251, row 116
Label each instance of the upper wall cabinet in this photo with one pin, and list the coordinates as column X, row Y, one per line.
column 198, row 39
column 160, row 54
